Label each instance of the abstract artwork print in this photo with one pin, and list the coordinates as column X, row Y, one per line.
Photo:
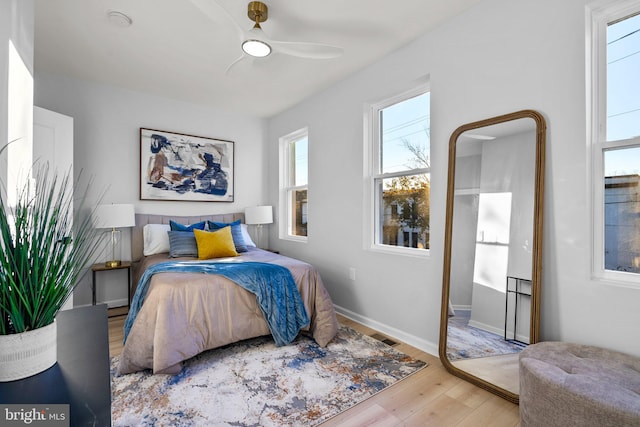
column 181, row 167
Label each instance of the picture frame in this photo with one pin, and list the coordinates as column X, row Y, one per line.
column 181, row 167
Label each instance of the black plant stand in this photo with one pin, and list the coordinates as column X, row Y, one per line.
column 80, row 378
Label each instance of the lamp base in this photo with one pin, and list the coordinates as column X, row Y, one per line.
column 259, row 227
column 112, row 264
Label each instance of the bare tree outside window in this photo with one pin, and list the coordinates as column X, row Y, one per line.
column 403, row 179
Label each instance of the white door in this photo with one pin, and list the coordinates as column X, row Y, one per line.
column 53, row 143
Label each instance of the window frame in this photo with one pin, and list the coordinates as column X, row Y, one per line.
column 286, row 188
column 599, row 16
column 374, row 177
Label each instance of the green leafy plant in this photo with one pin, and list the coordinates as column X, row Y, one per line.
column 45, row 246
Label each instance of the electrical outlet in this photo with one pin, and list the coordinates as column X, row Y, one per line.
column 352, row 273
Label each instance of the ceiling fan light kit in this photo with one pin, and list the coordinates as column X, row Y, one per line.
column 256, row 48
column 257, row 12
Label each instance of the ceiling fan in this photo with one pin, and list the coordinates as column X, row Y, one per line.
column 256, row 44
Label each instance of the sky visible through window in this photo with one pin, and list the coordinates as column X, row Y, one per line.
column 623, row 94
column 302, row 161
column 410, row 121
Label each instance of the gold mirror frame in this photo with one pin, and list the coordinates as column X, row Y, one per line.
column 536, row 273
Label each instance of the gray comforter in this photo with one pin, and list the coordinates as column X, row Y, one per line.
column 185, row 314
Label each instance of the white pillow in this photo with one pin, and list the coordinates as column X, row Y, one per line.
column 245, row 236
column 156, row 238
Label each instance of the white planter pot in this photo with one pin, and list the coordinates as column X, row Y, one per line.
column 28, row 353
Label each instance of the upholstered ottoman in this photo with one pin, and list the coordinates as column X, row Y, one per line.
column 563, row 384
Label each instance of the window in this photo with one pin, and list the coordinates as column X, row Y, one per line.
column 615, row 136
column 400, row 172
column 294, row 181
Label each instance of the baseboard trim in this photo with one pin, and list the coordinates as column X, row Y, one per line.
column 110, row 304
column 498, row 331
column 392, row 332
column 486, row 327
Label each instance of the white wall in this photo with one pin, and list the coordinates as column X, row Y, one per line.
column 463, row 242
column 107, row 122
column 16, row 121
column 499, row 57
column 465, row 222
column 508, row 166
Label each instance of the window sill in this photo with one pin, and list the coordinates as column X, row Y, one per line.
column 402, row 251
column 297, row 239
column 621, row 280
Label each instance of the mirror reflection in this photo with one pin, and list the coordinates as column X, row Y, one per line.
column 491, row 236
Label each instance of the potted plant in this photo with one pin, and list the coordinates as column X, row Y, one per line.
column 45, row 246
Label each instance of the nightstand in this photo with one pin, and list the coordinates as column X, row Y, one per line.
column 95, row 268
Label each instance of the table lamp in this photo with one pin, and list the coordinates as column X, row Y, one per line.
column 258, row 216
column 114, row 216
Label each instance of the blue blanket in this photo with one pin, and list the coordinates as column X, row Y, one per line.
column 273, row 286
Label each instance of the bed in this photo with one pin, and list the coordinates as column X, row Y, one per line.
column 186, row 313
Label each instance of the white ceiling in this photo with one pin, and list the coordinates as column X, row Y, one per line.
column 175, row 50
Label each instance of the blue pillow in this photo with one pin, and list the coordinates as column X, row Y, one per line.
column 179, row 227
column 182, row 243
column 236, row 233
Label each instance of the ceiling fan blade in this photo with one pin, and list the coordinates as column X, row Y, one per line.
column 234, row 64
column 307, row 50
column 212, row 9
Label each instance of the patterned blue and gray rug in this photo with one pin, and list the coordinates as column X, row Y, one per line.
column 255, row 383
column 467, row 342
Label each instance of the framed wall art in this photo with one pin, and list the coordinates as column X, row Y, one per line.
column 180, row 167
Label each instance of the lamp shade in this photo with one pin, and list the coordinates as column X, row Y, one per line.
column 258, row 215
column 114, row 216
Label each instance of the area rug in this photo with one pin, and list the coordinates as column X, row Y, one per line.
column 255, row 383
column 467, row 342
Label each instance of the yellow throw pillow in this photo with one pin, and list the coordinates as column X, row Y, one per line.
column 215, row 244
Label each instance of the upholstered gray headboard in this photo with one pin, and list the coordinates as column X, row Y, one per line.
column 137, row 242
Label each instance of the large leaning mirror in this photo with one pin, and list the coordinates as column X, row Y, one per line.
column 492, row 252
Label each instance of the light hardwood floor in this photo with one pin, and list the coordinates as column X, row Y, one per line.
column 431, row 397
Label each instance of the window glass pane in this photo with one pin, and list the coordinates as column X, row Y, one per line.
column 404, row 216
column 299, row 212
column 623, row 84
column 299, row 150
column 405, row 135
column 622, row 209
